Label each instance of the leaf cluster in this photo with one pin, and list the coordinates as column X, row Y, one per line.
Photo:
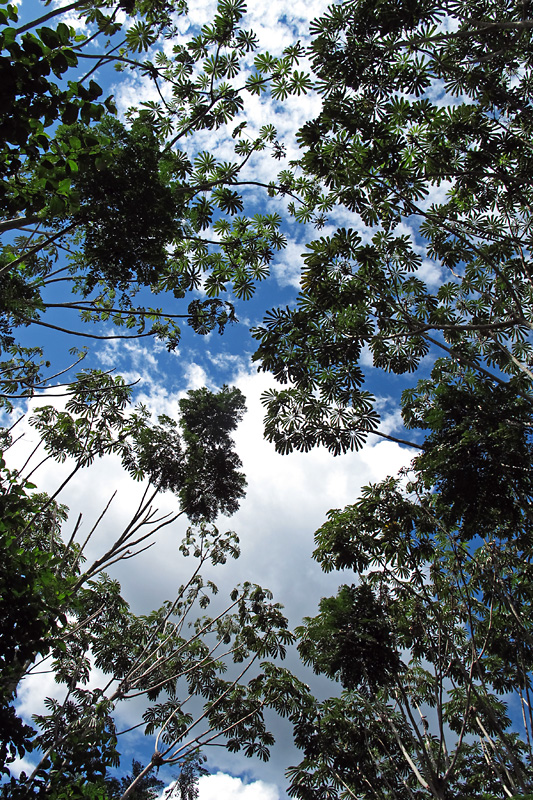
column 433, row 646
column 425, row 125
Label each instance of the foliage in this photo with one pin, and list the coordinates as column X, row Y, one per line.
column 194, row 458
column 423, row 139
column 360, row 653
column 437, row 663
column 424, row 136
column 31, row 593
column 103, row 211
column 127, row 210
column 206, row 428
column 65, row 612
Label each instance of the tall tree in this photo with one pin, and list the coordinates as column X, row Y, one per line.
column 103, row 211
column 433, row 644
column 66, row 613
column 424, row 136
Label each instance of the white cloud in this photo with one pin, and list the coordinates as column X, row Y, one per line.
column 288, row 265
column 141, row 358
column 72, row 18
column 34, row 689
column 21, row 765
column 196, row 376
column 431, row 273
column 367, row 359
column 225, row 787
column 391, row 421
column 227, row 361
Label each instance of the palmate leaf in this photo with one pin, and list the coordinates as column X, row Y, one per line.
column 281, row 89
column 140, row 36
column 300, row 82
column 228, row 200
column 264, row 62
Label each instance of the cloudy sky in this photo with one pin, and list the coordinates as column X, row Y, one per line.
column 288, row 496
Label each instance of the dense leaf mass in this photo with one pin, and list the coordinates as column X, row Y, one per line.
column 477, row 457
column 127, row 213
column 350, row 640
column 424, row 136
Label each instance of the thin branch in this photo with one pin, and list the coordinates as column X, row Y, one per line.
column 164, row 659
column 50, row 15
column 414, row 768
column 89, row 535
column 395, row 439
column 70, row 542
column 10, row 264
column 50, row 500
column 30, row 321
column 89, row 305
column 124, row 556
column 133, row 728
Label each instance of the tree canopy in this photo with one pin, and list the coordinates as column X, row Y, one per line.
column 97, row 216
column 424, row 138
column 422, row 142
column 102, row 211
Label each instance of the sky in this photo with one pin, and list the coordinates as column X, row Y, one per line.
column 288, row 497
